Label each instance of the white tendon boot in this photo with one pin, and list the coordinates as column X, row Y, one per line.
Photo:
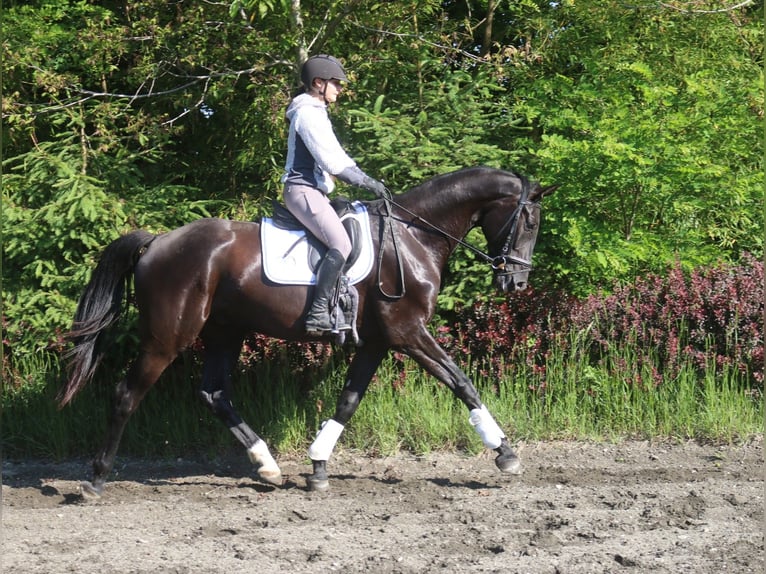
column 324, row 443
column 491, row 434
column 266, row 466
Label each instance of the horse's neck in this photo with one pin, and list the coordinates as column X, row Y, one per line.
column 452, row 206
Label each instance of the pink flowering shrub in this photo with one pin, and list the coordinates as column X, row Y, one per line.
column 290, row 356
column 710, row 316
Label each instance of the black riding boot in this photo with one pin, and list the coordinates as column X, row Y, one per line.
column 318, row 318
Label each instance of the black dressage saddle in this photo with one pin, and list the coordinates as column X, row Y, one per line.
column 283, row 219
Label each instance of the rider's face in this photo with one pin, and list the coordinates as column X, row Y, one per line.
column 330, row 89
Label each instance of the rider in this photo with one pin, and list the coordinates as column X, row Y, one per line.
column 314, row 158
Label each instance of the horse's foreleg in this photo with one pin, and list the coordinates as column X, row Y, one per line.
column 436, row 361
column 215, row 393
column 362, row 368
column 130, row 391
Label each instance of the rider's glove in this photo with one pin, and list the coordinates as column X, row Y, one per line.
column 374, row 186
column 355, row 176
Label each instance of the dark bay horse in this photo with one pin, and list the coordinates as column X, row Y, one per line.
column 205, row 280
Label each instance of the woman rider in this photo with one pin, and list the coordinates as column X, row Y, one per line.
column 314, row 158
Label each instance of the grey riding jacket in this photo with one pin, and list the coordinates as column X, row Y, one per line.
column 313, row 151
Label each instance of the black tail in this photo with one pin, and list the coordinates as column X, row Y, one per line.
column 100, row 305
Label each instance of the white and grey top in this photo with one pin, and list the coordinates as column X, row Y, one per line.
column 313, row 151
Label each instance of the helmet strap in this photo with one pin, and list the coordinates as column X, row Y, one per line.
column 321, row 92
column 324, row 90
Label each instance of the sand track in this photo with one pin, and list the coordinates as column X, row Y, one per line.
column 577, row 508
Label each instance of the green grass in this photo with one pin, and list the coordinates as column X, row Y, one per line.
column 609, row 399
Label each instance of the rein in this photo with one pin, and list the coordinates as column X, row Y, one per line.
column 497, row 263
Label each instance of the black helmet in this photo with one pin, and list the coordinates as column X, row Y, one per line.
column 322, row 66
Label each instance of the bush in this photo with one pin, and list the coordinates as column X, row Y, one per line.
column 713, row 316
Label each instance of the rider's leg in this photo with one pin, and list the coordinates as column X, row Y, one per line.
column 312, row 208
column 318, row 318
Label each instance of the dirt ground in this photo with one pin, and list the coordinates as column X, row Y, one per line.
column 577, row 508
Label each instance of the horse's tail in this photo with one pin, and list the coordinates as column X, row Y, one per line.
column 99, row 306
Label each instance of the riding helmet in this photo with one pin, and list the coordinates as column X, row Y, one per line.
column 322, row 66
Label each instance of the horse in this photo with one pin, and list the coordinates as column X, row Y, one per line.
column 205, row 282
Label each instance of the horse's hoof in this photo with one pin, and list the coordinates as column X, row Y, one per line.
column 90, row 492
column 269, row 476
column 508, row 463
column 317, row 484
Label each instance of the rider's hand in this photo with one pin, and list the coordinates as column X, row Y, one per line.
column 357, row 177
column 375, row 187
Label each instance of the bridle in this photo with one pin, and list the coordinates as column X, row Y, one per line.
column 498, row 263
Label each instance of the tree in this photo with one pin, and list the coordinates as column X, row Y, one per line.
column 650, row 115
column 150, row 114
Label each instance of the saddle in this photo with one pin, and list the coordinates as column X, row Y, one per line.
column 345, row 300
column 283, row 219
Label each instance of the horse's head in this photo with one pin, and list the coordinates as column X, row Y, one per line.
column 511, row 226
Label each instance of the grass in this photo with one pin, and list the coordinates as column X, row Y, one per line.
column 572, row 398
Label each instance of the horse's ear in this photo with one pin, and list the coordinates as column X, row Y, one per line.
column 543, row 191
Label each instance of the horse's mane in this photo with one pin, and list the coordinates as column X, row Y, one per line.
column 445, row 183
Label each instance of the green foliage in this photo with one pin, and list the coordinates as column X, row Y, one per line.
column 54, row 217
column 452, row 126
column 143, row 114
column 456, row 124
column 572, row 398
column 642, row 120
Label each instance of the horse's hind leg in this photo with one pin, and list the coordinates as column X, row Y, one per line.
column 216, row 394
column 142, row 374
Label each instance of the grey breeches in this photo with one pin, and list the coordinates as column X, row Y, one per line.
column 313, row 210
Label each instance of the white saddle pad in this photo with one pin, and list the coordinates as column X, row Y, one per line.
column 285, row 252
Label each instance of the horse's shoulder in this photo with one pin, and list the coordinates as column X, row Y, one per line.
column 210, row 223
